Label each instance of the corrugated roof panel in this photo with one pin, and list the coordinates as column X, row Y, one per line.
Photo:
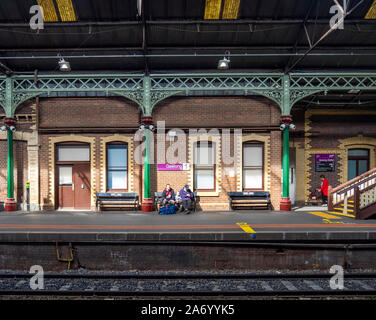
column 49, row 12
column 66, row 10
column 371, row 14
column 230, row 9
column 212, row 9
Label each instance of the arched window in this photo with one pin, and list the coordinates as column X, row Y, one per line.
column 253, row 165
column 358, row 162
column 117, row 166
column 204, row 165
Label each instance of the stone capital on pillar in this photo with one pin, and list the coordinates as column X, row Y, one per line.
column 286, row 119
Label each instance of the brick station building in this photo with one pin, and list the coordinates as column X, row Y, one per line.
column 83, row 123
column 75, row 137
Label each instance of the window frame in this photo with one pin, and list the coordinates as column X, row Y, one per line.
column 255, row 144
column 214, row 168
column 357, row 158
column 127, row 166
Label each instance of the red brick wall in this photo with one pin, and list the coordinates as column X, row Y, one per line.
column 88, row 113
column 217, row 112
column 205, row 112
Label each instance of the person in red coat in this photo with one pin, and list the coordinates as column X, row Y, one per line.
column 324, row 189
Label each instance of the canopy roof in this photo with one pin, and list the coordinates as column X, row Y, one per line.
column 186, row 35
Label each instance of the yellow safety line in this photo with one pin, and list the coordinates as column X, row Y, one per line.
column 246, row 227
column 323, row 215
column 342, row 214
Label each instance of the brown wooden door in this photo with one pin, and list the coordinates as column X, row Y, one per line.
column 66, row 194
column 81, row 185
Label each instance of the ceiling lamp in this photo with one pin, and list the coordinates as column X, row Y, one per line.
column 223, row 64
column 64, row 65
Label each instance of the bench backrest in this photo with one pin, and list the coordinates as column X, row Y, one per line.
column 122, row 195
column 249, row 194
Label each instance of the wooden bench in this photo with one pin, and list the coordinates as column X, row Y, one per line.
column 158, row 200
column 249, row 199
column 116, row 200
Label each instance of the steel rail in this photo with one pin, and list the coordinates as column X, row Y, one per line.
column 254, row 276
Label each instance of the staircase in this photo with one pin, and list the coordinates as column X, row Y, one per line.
column 355, row 198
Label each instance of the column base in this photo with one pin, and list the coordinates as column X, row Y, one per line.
column 10, row 205
column 285, row 204
column 147, row 205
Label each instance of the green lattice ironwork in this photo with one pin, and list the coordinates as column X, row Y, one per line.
column 147, row 91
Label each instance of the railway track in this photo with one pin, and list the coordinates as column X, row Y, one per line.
column 192, row 285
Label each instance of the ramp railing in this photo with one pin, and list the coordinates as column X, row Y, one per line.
column 360, row 192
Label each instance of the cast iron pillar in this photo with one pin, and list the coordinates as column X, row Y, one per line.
column 285, row 204
column 147, row 203
column 10, row 202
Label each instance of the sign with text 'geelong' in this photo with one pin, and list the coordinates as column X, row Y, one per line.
column 173, row 166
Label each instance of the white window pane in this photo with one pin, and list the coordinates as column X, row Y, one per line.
column 73, row 153
column 204, row 179
column 117, row 180
column 117, row 156
column 252, row 156
column 252, row 179
column 204, row 154
column 65, row 175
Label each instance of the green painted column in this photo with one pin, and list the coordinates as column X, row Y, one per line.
column 286, row 163
column 147, row 191
column 286, row 119
column 147, row 120
column 10, row 187
column 10, row 202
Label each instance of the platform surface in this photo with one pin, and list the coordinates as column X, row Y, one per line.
column 219, row 225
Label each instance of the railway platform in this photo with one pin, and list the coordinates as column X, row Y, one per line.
column 309, row 225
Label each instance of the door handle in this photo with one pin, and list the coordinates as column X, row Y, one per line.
column 72, row 186
column 82, row 186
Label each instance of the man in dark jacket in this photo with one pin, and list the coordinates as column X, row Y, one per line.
column 168, row 195
column 186, row 196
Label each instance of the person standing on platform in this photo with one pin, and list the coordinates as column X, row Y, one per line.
column 324, row 189
column 186, row 197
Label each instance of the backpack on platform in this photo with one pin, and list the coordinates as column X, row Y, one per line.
column 167, row 210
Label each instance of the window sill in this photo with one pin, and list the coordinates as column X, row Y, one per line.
column 208, row 193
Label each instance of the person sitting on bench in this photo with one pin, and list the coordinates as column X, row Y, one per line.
column 168, row 195
column 186, row 196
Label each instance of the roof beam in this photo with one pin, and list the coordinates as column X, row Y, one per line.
column 185, row 22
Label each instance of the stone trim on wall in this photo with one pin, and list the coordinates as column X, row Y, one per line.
column 51, row 164
column 103, row 161
column 218, row 167
column 267, row 166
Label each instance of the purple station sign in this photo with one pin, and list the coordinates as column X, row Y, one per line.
column 325, row 157
column 173, row 166
column 325, row 162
